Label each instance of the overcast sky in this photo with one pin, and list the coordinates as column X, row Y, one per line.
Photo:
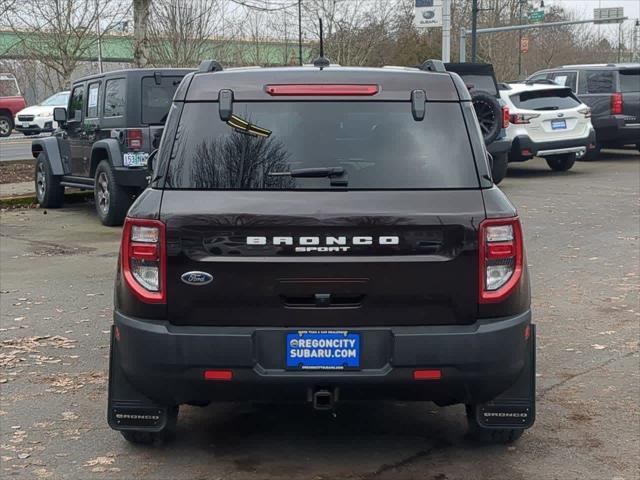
column 584, row 8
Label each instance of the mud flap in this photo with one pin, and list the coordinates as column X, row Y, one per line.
column 516, row 407
column 127, row 408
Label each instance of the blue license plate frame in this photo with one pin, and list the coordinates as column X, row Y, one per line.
column 323, row 350
column 559, row 124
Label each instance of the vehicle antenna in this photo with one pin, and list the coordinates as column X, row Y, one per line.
column 321, row 61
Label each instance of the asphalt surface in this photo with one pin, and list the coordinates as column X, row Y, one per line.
column 582, row 234
column 17, row 147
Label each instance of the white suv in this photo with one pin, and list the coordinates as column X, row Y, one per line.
column 547, row 121
column 39, row 118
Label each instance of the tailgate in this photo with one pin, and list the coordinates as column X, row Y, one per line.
column 323, row 258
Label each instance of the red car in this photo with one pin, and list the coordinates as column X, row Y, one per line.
column 11, row 102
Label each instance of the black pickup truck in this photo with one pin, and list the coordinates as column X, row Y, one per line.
column 322, row 234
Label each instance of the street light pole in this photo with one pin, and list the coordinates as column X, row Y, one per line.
column 474, row 30
column 300, row 31
column 99, row 34
column 520, row 3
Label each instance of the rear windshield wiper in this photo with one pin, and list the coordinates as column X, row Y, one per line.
column 335, row 174
column 547, row 108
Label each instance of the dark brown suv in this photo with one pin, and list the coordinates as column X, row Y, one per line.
column 322, row 234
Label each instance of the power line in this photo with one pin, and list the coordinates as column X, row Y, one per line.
column 264, row 8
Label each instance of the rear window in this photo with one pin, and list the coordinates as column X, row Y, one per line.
column 480, row 82
column 629, row 81
column 552, row 99
column 600, row 81
column 8, row 87
column 157, row 97
column 377, row 144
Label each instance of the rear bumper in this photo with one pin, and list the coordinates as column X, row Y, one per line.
column 523, row 143
column 613, row 130
column 166, row 363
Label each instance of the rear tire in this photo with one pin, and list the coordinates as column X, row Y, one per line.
column 561, row 163
column 499, row 167
column 49, row 192
column 490, row 435
column 112, row 200
column 6, row 125
column 168, row 433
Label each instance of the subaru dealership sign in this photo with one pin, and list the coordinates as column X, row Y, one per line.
column 428, row 13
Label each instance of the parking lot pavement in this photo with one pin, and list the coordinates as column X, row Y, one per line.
column 582, row 235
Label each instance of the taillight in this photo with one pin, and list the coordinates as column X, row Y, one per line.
column 134, row 139
column 143, row 259
column 500, row 252
column 586, row 111
column 505, row 117
column 520, row 118
column 616, row 104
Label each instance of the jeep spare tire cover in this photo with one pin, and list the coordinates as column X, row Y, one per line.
column 489, row 114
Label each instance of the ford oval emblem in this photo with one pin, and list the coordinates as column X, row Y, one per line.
column 196, row 278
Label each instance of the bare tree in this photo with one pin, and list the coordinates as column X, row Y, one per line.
column 141, row 10
column 184, row 33
column 353, row 30
column 61, row 33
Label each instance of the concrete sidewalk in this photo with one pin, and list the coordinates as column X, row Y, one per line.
column 9, row 190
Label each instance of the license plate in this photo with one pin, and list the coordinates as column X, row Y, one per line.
column 558, row 124
column 323, row 350
column 137, row 159
column 25, row 124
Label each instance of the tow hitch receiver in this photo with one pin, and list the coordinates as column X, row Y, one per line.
column 516, row 407
column 324, row 399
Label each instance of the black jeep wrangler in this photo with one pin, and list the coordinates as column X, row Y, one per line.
column 111, row 125
column 491, row 110
column 322, row 234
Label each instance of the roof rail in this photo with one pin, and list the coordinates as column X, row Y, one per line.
column 433, row 66
column 210, row 66
column 543, row 81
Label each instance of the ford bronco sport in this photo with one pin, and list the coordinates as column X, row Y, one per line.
column 106, row 135
column 321, row 234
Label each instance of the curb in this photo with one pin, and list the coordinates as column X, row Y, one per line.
column 30, row 199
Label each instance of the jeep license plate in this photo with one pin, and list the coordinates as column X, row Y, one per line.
column 558, row 124
column 136, row 159
column 323, row 350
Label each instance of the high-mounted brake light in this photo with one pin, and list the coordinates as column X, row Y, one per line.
column 505, row 117
column 616, row 103
column 143, row 259
column 321, row 90
column 134, row 138
column 500, row 253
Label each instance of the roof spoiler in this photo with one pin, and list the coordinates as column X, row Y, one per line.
column 210, row 66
